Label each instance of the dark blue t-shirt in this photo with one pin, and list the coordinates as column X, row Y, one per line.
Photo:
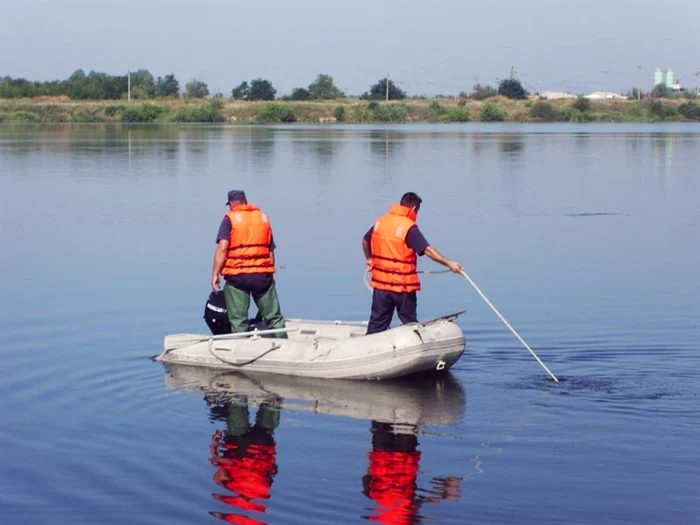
column 225, row 232
column 414, row 240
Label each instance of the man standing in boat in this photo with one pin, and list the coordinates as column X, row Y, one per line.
column 245, row 256
column 392, row 247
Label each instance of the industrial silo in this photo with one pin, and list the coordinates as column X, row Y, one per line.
column 669, row 79
column 658, row 77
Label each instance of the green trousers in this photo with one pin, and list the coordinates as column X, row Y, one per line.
column 238, row 304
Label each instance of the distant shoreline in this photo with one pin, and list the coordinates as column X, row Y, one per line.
column 346, row 110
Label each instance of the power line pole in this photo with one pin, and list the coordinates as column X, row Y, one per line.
column 697, row 73
column 128, row 84
column 639, row 90
column 387, row 87
column 605, row 83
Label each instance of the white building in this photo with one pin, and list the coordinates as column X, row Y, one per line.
column 603, row 95
column 556, row 95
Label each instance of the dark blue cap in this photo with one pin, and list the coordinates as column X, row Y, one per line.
column 236, row 195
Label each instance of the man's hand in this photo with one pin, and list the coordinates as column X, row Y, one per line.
column 455, row 266
column 369, row 265
column 215, row 283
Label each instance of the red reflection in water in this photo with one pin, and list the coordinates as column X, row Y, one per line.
column 244, row 457
column 391, row 480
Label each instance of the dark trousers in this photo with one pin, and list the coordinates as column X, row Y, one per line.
column 383, row 305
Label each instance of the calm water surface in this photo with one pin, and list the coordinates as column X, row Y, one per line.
column 585, row 238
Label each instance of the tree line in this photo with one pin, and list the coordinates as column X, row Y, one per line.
column 143, row 85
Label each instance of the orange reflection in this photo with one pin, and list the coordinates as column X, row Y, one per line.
column 245, row 458
column 391, row 481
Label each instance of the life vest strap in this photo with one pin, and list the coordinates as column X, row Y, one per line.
column 412, row 261
column 395, row 272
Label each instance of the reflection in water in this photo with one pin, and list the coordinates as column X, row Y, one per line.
column 511, row 144
column 384, row 142
column 391, row 480
column 245, row 454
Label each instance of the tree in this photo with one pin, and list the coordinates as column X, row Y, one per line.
column 512, row 88
column 143, row 84
column 261, row 90
column 582, row 104
column 379, row 92
column 240, row 92
column 660, row 91
column 196, row 89
column 480, row 92
column 323, row 88
column 167, row 86
column 300, row 94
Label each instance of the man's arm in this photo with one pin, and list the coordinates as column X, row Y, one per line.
column 219, row 259
column 366, row 249
column 436, row 256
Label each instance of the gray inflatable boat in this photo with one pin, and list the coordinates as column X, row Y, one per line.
column 325, row 349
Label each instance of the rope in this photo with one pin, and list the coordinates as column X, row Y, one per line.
column 424, row 272
column 211, row 351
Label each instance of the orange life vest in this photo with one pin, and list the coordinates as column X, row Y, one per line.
column 249, row 244
column 393, row 262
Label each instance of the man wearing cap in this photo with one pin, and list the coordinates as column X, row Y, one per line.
column 392, row 247
column 245, row 256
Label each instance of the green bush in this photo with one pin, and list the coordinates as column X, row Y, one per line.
column 87, row 116
column 456, row 115
column 545, row 112
column 339, row 113
column 373, row 105
column 274, row 112
column 390, row 113
column 491, row 113
column 574, row 115
column 207, row 112
column 690, row 110
column 144, row 113
column 660, row 111
column 582, row 104
column 612, row 116
column 636, row 112
column 112, row 109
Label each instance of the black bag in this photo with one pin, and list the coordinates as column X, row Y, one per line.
column 216, row 316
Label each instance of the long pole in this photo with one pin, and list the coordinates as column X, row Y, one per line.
column 508, row 325
column 387, row 87
column 606, row 82
column 128, row 85
column 639, row 91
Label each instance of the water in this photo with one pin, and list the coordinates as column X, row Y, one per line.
column 584, row 237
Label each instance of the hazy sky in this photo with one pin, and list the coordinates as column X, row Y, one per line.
column 427, row 46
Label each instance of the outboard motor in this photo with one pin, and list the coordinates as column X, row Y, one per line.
column 216, row 316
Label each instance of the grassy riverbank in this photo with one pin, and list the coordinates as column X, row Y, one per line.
column 350, row 110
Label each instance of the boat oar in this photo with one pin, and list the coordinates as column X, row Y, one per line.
column 508, row 325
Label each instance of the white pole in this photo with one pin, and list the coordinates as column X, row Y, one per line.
column 128, row 85
column 508, row 325
column 387, row 87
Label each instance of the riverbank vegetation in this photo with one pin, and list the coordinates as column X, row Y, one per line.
column 141, row 98
column 346, row 110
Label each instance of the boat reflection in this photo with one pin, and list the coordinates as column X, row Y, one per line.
column 245, row 454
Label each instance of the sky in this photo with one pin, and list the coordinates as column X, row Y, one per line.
column 427, row 47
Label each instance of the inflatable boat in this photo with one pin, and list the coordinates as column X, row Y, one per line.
column 323, row 349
